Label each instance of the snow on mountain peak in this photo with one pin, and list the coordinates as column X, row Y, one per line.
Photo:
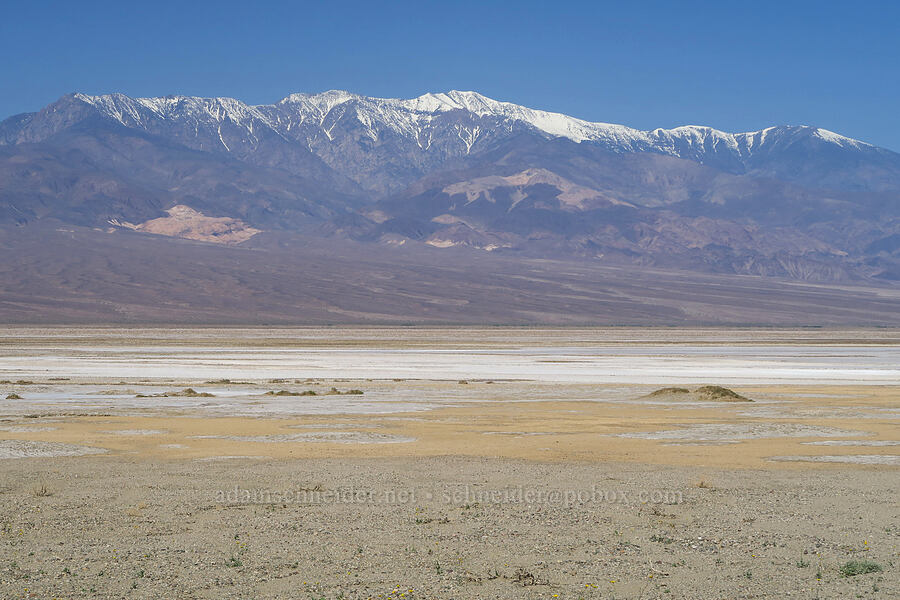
column 413, row 119
column 322, row 102
column 137, row 111
column 835, row 138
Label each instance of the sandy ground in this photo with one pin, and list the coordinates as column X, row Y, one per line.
column 436, row 488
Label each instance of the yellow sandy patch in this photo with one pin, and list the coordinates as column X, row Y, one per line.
column 553, row 431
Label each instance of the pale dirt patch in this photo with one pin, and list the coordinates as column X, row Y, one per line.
column 750, row 431
column 571, row 194
column 185, row 222
column 873, row 443
column 334, row 437
column 24, row 428
column 32, row 449
column 856, row 459
column 230, row 457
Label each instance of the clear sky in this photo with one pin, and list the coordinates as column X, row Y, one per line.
column 734, row 66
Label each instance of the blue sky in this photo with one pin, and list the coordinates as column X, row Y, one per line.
column 643, row 64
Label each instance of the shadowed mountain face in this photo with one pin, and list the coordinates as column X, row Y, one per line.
column 641, row 208
column 456, row 170
column 78, row 275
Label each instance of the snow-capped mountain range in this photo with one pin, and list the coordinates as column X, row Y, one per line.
column 310, row 117
column 417, row 135
column 458, row 169
column 314, row 115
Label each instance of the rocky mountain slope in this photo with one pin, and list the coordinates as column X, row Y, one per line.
column 458, row 169
column 78, row 275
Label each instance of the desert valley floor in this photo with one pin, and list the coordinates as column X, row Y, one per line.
column 449, row 463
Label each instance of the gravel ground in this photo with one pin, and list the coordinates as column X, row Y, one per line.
column 440, row 527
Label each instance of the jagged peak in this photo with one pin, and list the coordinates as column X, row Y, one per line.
column 408, row 116
column 323, row 102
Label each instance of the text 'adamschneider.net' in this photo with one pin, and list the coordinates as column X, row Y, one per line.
column 462, row 495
